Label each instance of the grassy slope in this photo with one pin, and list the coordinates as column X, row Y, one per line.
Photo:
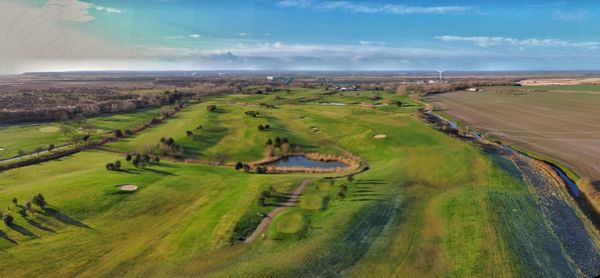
column 430, row 205
column 28, row 137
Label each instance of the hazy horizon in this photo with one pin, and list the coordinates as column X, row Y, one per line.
column 297, row 35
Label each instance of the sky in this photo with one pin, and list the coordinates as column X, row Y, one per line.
column 75, row 35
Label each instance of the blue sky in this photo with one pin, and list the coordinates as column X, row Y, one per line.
column 298, row 35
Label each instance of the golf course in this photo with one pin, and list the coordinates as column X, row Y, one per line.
column 419, row 203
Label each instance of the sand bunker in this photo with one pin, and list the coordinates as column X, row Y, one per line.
column 128, row 187
column 49, row 129
column 379, row 136
column 1, row 149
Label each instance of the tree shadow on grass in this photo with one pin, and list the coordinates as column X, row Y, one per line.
column 65, row 218
column 22, row 230
column 6, row 237
column 39, row 225
column 161, row 172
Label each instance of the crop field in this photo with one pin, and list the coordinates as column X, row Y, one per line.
column 561, row 126
column 429, row 205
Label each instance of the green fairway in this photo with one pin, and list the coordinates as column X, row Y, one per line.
column 28, row 137
column 429, row 205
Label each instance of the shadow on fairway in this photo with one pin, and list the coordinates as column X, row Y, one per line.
column 6, row 237
column 65, row 218
column 39, row 226
column 22, row 230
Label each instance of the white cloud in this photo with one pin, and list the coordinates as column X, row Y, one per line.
column 243, row 34
column 369, row 8
column 572, row 16
column 484, row 41
column 108, row 10
column 195, row 36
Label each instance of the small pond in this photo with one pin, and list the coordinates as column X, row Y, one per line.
column 302, row 161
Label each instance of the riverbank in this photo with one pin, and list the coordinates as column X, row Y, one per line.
column 574, row 225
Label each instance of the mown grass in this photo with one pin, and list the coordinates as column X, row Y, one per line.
column 429, row 205
column 28, row 137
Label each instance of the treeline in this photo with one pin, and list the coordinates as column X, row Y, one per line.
column 90, row 106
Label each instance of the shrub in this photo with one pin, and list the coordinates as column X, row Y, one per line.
column 117, row 165
column 51, row 147
column 7, row 218
column 189, row 133
column 261, row 128
column 239, row 165
column 261, row 170
column 128, row 157
column 110, row 166
column 211, row 108
column 39, row 200
column 118, row 133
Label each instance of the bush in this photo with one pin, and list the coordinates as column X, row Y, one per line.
column 261, row 170
column 110, row 166
column 118, row 133
column 239, row 165
column 8, row 219
column 211, row 108
column 39, row 200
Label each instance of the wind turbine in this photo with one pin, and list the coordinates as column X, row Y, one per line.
column 441, row 71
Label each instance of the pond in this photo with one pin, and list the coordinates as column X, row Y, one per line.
column 302, row 161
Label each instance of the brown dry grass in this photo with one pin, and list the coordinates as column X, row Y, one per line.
column 590, row 192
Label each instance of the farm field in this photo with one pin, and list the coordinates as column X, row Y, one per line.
column 429, row 205
column 559, row 126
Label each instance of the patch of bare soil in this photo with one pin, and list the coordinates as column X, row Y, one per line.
column 559, row 81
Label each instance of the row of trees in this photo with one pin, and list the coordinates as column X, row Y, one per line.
column 38, row 200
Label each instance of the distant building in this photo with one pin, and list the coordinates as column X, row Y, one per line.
column 270, row 78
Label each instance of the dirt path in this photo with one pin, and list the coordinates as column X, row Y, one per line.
column 267, row 220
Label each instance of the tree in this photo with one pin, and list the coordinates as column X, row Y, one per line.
column 7, row 218
column 51, row 147
column 128, row 132
column 118, row 133
column 65, row 129
column 350, row 178
column 189, row 133
column 79, row 119
column 267, row 126
column 269, row 142
column 29, row 207
column 128, row 157
column 284, row 140
column 21, row 153
column 211, row 108
column 39, row 200
column 239, row 165
column 261, row 128
column 117, row 165
column 277, row 141
column 399, row 103
column 110, row 166
column 15, row 201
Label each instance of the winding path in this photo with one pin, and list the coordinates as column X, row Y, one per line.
column 267, row 220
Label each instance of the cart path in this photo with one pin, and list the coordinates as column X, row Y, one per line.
column 267, row 220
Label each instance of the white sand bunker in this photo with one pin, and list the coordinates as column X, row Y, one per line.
column 49, row 129
column 128, row 187
column 2, row 149
column 379, row 136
